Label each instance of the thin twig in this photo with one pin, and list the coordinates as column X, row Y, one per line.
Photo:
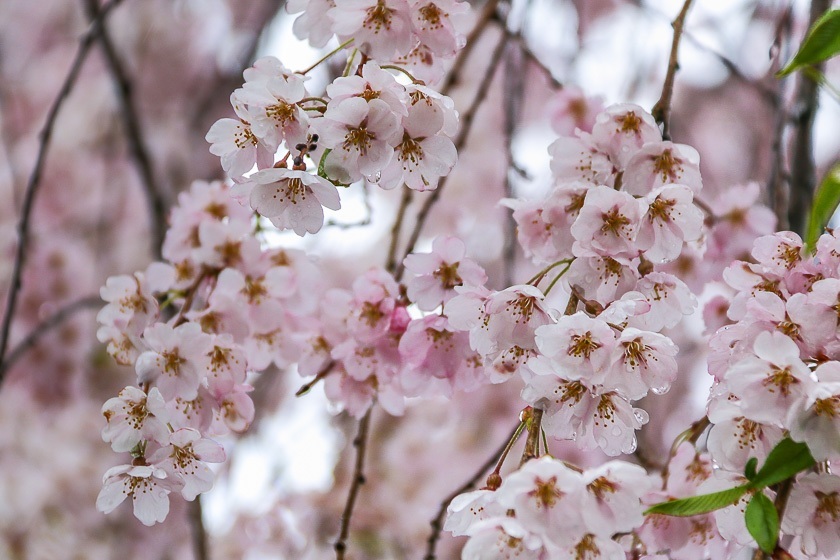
column 662, row 110
column 34, row 182
column 325, row 371
column 391, row 261
column 134, row 134
column 360, row 443
column 532, row 444
column 803, row 175
column 777, row 196
column 45, row 326
column 199, row 535
column 486, row 15
column 466, row 125
column 514, row 87
column 437, row 522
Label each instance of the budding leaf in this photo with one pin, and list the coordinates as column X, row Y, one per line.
column 321, row 171
column 749, row 469
column 785, row 460
column 699, row 504
column 826, row 200
column 821, row 43
column 763, row 522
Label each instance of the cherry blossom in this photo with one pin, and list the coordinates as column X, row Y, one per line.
column 292, row 199
column 439, row 272
column 147, row 486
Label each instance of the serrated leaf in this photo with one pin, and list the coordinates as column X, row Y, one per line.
column 749, row 469
column 825, row 203
column 696, row 505
column 821, row 43
column 762, row 521
column 785, row 460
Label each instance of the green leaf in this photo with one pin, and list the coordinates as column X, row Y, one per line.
column 749, row 469
column 785, row 460
column 699, row 504
column 763, row 522
column 826, row 200
column 821, row 43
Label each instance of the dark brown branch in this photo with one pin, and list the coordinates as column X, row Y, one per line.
column 662, row 110
column 48, row 324
column 467, row 120
column 134, row 135
column 360, row 443
column 437, row 522
column 199, row 535
column 34, row 181
column 803, row 175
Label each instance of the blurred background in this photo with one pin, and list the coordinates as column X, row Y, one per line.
column 134, row 123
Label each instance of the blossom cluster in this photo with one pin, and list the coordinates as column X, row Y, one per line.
column 370, row 347
column 622, row 203
column 417, row 34
column 238, row 304
column 549, row 510
column 777, row 372
column 368, row 126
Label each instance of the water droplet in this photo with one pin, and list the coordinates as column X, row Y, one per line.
column 375, row 178
column 660, row 390
column 641, row 415
column 616, row 431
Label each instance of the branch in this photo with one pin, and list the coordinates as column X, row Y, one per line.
column 34, row 181
column 467, row 122
column 437, row 522
column 134, row 134
column 803, row 176
column 662, row 110
column 391, row 262
column 779, row 177
column 360, row 443
column 48, row 324
column 199, row 535
column 487, row 14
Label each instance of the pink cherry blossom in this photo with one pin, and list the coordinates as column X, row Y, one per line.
column 662, row 163
column 361, row 136
column 133, row 416
column 436, row 25
column 771, row 380
column 577, row 347
column 147, row 486
column 293, row 199
column 313, row 24
column 439, row 272
column 176, row 360
column 184, row 459
column 671, row 219
column 422, row 156
column 381, row 28
column 235, row 142
column 812, row 514
column 607, row 224
column 642, row 361
column 622, row 130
